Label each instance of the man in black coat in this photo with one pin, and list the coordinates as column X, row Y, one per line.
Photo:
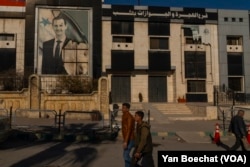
column 238, row 128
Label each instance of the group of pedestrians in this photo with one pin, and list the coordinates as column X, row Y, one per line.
column 137, row 137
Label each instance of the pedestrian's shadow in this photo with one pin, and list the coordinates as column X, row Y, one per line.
column 56, row 153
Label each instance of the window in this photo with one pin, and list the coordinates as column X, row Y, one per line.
column 122, row 27
column 159, row 61
column 196, row 86
column 235, row 83
column 240, row 19
column 235, row 65
column 77, row 62
column 122, row 60
column 188, row 32
column 195, row 64
column 234, row 40
column 225, row 19
column 158, row 28
column 123, row 39
column 7, row 37
column 233, row 19
column 7, row 60
column 190, row 40
column 159, row 43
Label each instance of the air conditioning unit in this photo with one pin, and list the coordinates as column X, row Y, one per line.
column 234, row 48
column 122, row 46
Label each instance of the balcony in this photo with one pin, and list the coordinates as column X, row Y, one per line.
column 122, row 46
column 234, row 48
column 194, row 47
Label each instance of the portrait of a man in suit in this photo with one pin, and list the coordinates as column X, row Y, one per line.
column 52, row 62
column 63, row 45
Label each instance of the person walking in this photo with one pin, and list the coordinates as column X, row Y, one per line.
column 128, row 126
column 238, row 128
column 143, row 143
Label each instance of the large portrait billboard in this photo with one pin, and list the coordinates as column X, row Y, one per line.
column 63, row 41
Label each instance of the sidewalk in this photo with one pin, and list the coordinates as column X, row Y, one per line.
column 161, row 125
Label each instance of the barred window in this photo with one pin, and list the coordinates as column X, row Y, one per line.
column 195, row 64
column 196, row 86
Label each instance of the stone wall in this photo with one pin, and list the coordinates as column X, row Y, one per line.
column 34, row 99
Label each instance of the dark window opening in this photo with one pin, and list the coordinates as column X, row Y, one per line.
column 122, row 27
column 8, row 60
column 234, row 40
column 122, row 60
column 235, row 66
column 196, row 86
column 122, row 39
column 157, row 28
column 159, row 61
column 7, row 37
column 235, row 83
column 190, row 40
column 188, row 32
column 159, row 43
column 195, row 65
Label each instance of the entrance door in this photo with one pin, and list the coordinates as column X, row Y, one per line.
column 157, row 86
column 120, row 89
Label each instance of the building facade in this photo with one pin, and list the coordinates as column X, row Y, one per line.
column 23, row 46
column 234, row 51
column 204, row 49
column 149, row 51
column 159, row 53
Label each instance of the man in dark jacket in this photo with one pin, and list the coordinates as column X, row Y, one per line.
column 238, row 128
column 143, row 142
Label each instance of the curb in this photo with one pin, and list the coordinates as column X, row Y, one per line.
column 201, row 133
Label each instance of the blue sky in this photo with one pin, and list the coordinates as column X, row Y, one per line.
column 215, row 4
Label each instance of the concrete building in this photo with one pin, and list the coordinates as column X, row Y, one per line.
column 234, row 51
column 150, row 51
column 204, row 46
column 160, row 53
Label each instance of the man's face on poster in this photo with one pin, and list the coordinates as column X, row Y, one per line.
column 59, row 27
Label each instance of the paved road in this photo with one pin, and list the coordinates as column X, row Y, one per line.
column 167, row 135
column 67, row 154
column 22, row 153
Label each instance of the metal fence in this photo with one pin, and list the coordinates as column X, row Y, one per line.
column 224, row 95
column 12, row 83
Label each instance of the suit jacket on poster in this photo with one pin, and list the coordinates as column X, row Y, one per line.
column 51, row 65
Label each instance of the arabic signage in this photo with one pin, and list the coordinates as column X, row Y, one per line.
column 212, row 4
column 168, row 14
column 191, row 15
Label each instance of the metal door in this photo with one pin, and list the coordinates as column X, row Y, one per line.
column 157, row 88
column 120, row 89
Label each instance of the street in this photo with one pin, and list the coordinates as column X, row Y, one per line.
column 73, row 154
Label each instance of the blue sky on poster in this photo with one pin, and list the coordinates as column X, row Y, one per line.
column 215, row 4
